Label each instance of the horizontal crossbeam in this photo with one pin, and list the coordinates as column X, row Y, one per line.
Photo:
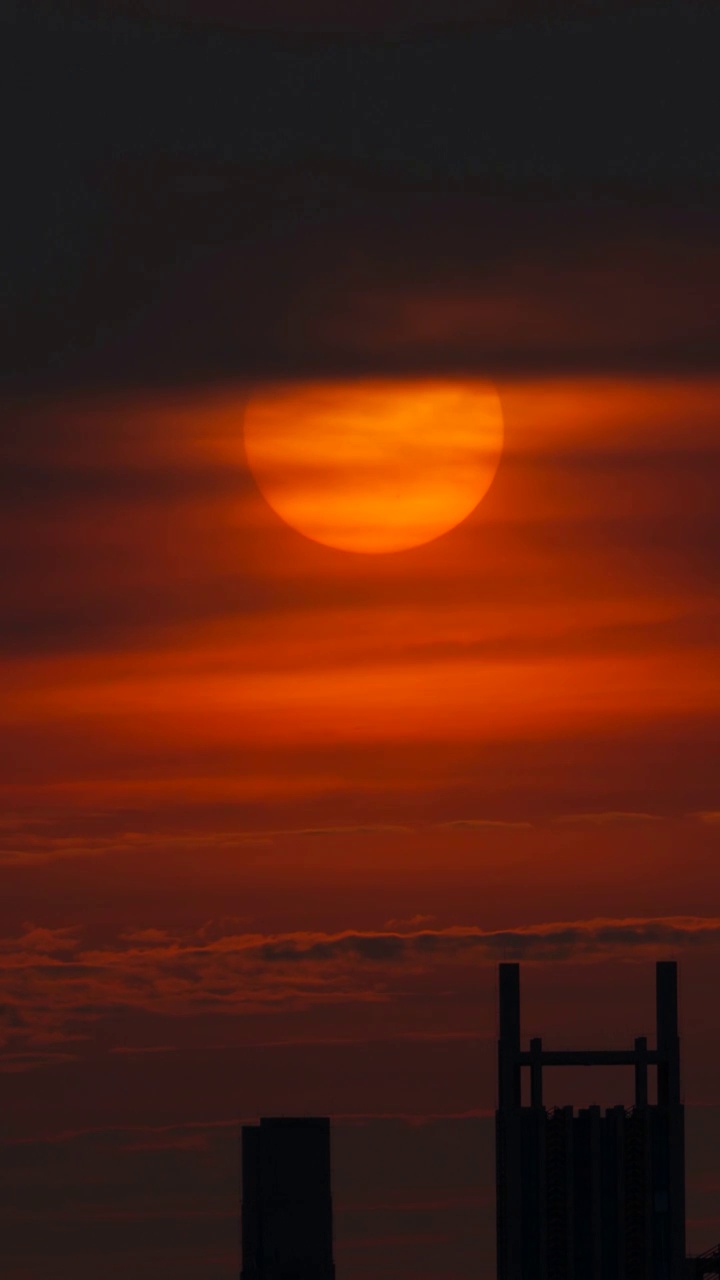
column 589, row 1057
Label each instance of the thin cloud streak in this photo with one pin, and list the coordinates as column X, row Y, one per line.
column 608, row 818
column 52, row 985
column 482, row 824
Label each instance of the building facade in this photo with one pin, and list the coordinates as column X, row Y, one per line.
column 287, row 1218
column 590, row 1195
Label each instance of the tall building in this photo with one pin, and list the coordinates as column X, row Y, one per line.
column 704, row 1267
column 590, row 1195
column 287, row 1224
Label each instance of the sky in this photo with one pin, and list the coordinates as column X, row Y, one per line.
column 272, row 811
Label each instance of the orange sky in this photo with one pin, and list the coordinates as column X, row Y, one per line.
column 292, row 804
column 271, row 812
column 167, row 610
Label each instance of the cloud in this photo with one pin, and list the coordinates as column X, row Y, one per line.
column 479, row 824
column 607, row 818
column 53, row 988
column 164, row 298
column 40, row 941
column 709, row 816
column 542, row 942
column 132, row 1051
column 358, row 18
column 488, row 310
column 24, row 484
column 25, row 845
column 22, row 1061
column 363, row 829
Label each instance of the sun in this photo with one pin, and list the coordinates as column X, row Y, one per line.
column 374, row 465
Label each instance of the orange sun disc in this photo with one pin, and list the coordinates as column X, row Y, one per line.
column 374, row 465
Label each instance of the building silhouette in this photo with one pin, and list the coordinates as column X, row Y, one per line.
column 704, row 1266
column 287, row 1223
column 592, row 1195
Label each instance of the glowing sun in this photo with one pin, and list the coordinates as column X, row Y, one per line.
column 374, row 465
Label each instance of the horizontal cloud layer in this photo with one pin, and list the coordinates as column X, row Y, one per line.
column 54, row 985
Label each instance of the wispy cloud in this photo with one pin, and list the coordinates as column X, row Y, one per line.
column 480, row 824
column 361, row 829
column 24, row 844
column 607, row 818
column 52, row 984
column 542, row 942
column 132, row 1051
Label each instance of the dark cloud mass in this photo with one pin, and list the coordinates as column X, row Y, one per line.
column 537, row 194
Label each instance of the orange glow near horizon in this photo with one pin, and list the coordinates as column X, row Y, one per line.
column 374, row 466
column 273, row 791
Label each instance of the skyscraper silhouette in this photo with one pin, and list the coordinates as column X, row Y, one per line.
column 706, row 1265
column 590, row 1196
column 287, row 1228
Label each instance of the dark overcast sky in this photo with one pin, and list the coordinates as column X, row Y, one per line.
column 154, row 149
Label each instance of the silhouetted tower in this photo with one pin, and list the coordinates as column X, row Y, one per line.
column 704, row 1267
column 590, row 1196
column 287, row 1224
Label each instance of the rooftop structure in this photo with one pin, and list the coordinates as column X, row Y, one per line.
column 592, row 1195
